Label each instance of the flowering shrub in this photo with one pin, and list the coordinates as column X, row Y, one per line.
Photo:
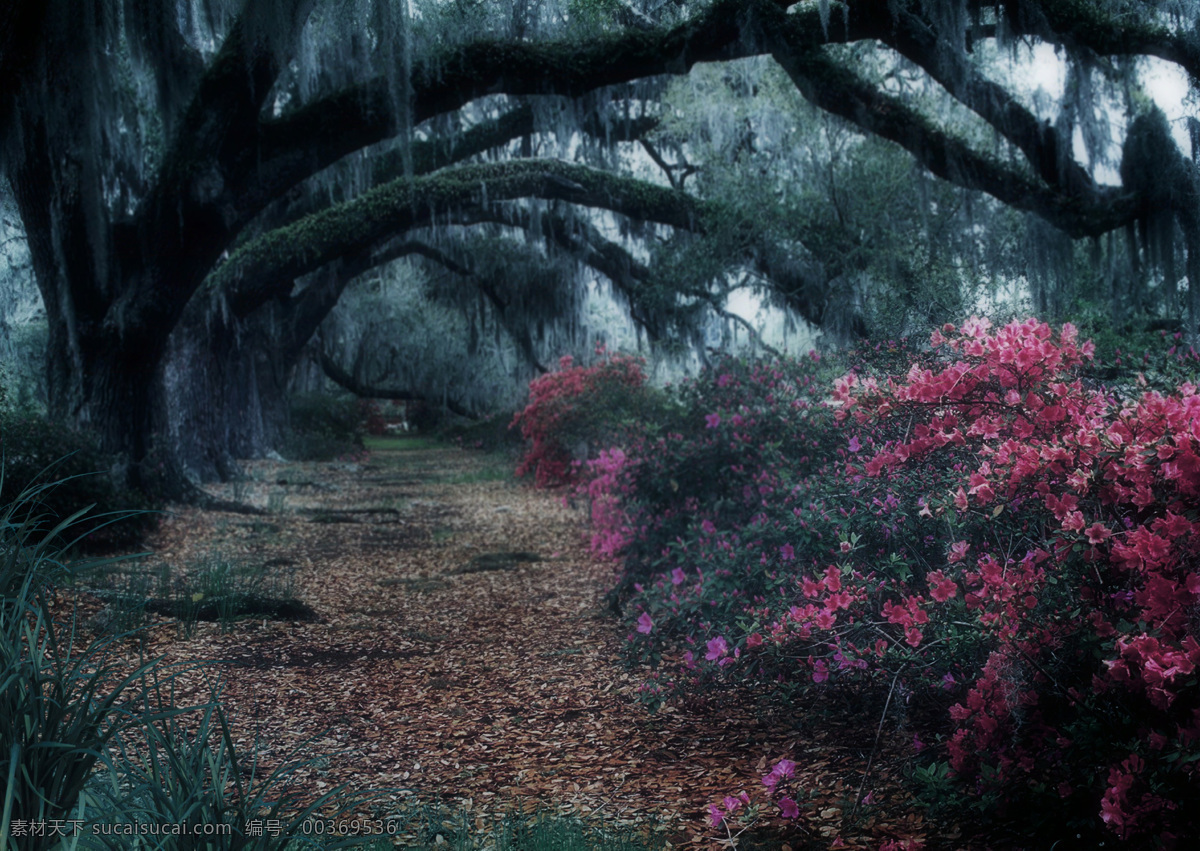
column 1081, row 568
column 1013, row 550
column 742, row 434
column 576, row 404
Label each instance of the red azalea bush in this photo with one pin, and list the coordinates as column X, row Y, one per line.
column 1013, row 550
column 373, row 422
column 576, row 405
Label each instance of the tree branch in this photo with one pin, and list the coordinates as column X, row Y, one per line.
column 1081, row 24
column 840, row 91
column 917, row 39
column 265, row 267
column 187, row 220
column 344, row 379
column 754, row 335
column 428, row 155
column 302, row 143
column 488, row 287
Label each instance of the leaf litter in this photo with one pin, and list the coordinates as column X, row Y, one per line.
column 462, row 654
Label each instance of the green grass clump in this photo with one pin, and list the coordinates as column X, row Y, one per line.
column 399, row 444
column 61, row 701
column 431, row 827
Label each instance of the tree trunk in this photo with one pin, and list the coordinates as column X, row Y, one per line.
column 225, row 386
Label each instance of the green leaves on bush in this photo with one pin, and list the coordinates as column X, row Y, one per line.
column 38, row 450
column 322, row 427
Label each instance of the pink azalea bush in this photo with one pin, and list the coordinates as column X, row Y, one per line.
column 739, row 435
column 1078, row 560
column 986, row 529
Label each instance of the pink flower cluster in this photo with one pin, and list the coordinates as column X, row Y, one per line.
column 1109, row 489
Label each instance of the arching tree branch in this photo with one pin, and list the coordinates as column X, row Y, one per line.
column 266, row 267
column 346, row 121
column 839, row 90
column 428, row 155
column 344, row 379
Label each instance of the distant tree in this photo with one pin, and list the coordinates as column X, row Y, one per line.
column 200, row 181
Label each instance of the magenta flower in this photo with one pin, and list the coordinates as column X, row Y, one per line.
column 712, row 420
column 784, row 768
column 1097, row 533
column 787, row 552
column 788, row 808
column 677, row 576
column 717, row 647
column 644, row 624
column 855, row 446
column 715, row 816
column 958, row 551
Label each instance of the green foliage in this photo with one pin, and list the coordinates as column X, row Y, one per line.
column 596, row 14
column 491, row 434
column 215, row 587
column 183, row 769
column 937, row 788
column 212, row 587
column 35, row 449
column 1136, row 355
column 431, row 826
column 61, row 701
column 323, row 427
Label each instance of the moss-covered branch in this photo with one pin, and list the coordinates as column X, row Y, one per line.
column 1106, row 32
column 428, row 155
column 265, row 267
column 296, row 146
column 917, row 39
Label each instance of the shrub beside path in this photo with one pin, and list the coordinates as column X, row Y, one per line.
column 463, row 654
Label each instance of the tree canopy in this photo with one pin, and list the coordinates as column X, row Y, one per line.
column 201, row 181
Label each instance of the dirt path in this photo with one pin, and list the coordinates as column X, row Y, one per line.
column 449, row 664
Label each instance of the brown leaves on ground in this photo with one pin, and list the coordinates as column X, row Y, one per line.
column 463, row 654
